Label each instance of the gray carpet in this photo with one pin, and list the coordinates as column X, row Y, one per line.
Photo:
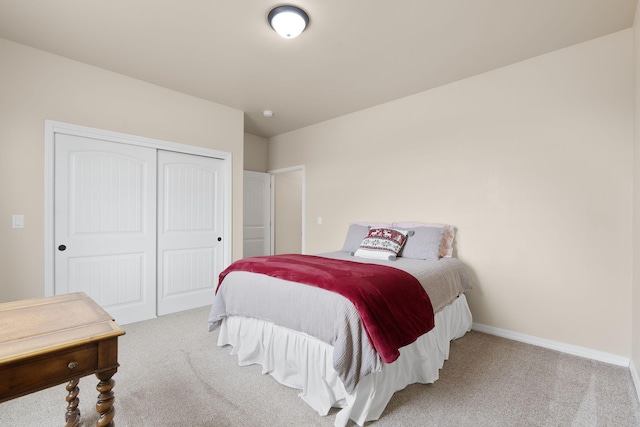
column 173, row 374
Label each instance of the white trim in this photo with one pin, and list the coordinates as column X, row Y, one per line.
column 272, row 215
column 554, row 345
column 48, row 209
column 285, row 170
column 634, row 376
column 88, row 132
column 52, row 127
column 303, row 245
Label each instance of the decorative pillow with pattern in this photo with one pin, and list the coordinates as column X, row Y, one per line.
column 382, row 243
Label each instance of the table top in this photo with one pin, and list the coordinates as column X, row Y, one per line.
column 34, row 327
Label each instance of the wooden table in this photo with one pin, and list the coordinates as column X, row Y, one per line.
column 50, row 341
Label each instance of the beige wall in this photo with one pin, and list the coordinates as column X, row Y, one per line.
column 35, row 86
column 533, row 165
column 635, row 359
column 255, row 153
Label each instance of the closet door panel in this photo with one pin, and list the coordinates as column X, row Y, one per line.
column 104, row 224
column 190, row 230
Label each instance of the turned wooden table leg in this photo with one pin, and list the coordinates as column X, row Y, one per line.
column 72, row 416
column 105, row 399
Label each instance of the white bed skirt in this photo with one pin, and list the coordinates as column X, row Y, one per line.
column 305, row 363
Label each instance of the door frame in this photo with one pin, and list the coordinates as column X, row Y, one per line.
column 273, row 172
column 52, row 127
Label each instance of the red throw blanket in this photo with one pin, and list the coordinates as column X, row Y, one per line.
column 394, row 308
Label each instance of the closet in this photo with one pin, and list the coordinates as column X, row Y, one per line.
column 139, row 225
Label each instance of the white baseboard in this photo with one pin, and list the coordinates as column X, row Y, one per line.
column 558, row 346
column 636, row 379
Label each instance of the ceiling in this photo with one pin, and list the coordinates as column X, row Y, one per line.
column 354, row 54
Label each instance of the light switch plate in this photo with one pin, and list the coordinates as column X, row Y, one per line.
column 17, row 221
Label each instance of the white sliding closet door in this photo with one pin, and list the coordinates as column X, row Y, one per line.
column 190, row 230
column 105, row 224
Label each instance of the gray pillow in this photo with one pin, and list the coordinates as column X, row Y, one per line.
column 424, row 243
column 355, row 236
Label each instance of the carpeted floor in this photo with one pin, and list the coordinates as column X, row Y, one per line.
column 173, row 374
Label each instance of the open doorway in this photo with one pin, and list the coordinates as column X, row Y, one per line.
column 288, row 210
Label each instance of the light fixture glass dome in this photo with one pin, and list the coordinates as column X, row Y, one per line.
column 288, row 21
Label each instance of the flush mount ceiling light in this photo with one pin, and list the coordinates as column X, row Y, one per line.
column 288, row 21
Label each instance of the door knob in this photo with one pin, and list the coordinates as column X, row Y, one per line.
column 62, row 248
column 219, row 239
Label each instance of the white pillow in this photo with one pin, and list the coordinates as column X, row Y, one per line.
column 375, row 224
column 423, row 243
column 446, row 244
column 355, row 235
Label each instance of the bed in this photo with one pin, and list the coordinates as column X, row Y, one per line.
column 325, row 343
